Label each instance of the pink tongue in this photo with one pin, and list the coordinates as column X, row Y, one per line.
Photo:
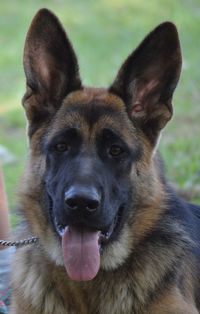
column 81, row 253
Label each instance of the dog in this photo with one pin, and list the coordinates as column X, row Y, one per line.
column 113, row 236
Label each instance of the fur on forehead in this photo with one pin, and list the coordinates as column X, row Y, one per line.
column 99, row 95
column 91, row 120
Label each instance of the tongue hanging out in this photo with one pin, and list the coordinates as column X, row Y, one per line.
column 81, row 253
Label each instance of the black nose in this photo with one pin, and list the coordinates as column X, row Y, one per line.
column 85, row 199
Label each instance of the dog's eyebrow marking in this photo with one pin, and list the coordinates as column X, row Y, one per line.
column 67, row 133
column 93, row 112
column 110, row 135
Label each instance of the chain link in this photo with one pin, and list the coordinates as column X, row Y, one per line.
column 19, row 243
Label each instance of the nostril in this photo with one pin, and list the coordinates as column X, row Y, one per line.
column 71, row 203
column 92, row 205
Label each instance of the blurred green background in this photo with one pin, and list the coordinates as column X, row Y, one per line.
column 103, row 34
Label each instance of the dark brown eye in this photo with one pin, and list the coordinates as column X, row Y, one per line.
column 61, row 147
column 115, row 151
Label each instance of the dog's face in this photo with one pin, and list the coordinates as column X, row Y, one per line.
column 92, row 149
column 88, row 165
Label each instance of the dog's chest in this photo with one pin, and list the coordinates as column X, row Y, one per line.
column 108, row 297
column 99, row 298
column 48, row 291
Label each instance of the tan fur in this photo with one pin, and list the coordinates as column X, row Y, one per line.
column 89, row 94
column 171, row 302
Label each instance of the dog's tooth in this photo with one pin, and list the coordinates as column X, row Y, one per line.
column 62, row 232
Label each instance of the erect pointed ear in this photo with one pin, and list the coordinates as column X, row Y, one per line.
column 147, row 79
column 50, row 66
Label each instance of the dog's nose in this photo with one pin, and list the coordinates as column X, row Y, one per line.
column 85, row 199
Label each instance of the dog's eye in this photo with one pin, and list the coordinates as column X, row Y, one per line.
column 61, row 147
column 115, row 151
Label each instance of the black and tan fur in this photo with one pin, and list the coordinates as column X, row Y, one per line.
column 152, row 264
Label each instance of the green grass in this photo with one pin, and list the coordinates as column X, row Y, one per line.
column 103, row 34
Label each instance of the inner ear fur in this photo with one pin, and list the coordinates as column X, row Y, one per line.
column 148, row 78
column 50, row 66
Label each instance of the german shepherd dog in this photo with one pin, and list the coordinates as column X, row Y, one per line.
column 113, row 236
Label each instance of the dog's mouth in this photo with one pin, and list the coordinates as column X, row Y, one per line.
column 82, row 246
column 105, row 235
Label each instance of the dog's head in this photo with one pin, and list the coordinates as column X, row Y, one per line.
column 91, row 176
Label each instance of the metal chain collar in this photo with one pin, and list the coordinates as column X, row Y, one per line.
column 19, row 243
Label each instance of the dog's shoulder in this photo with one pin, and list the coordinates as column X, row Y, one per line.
column 186, row 213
